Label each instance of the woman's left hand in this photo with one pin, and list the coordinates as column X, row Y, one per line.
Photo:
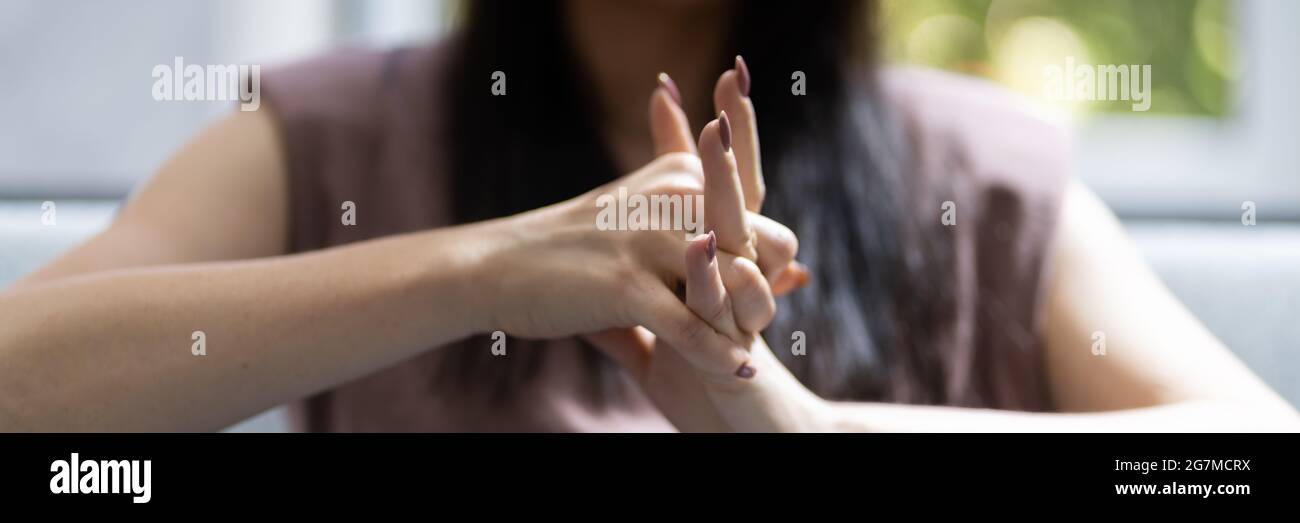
column 771, row 399
column 762, row 396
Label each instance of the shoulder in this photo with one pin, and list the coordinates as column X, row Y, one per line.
column 354, row 88
column 994, row 136
column 358, row 125
column 1004, row 167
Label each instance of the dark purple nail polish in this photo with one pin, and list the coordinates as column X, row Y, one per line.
column 667, row 83
column 713, row 246
column 742, row 76
column 746, row 371
column 724, row 130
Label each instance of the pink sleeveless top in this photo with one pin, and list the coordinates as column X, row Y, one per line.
column 361, row 126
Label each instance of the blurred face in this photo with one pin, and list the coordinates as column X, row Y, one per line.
column 660, row 7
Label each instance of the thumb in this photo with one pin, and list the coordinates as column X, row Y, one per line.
column 668, row 124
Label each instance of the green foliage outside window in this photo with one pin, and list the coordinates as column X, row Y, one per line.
column 1189, row 44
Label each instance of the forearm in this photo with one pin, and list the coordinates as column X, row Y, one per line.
column 113, row 351
column 1190, row 416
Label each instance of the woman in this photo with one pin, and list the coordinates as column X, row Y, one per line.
column 356, row 241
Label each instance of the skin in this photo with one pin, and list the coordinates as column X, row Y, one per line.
column 110, row 321
column 99, row 339
column 1163, row 370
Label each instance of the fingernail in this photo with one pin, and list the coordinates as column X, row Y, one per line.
column 801, row 275
column 746, row 371
column 666, row 82
column 742, row 76
column 724, row 130
column 713, row 246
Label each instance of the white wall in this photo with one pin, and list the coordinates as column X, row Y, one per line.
column 78, row 116
column 77, row 111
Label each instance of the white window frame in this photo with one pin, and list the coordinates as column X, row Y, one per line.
column 1200, row 167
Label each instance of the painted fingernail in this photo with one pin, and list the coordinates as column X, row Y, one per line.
column 712, row 249
column 742, row 76
column 666, row 82
column 746, row 371
column 724, row 131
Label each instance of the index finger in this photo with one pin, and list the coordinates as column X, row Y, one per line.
column 731, row 95
column 724, row 201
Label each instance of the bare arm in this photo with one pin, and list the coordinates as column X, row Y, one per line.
column 100, row 339
column 1162, row 370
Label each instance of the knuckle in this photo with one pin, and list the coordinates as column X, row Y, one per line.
column 630, row 283
column 747, row 275
column 694, row 333
column 780, row 242
column 752, row 288
column 625, row 288
column 718, row 313
column 750, row 250
column 787, row 244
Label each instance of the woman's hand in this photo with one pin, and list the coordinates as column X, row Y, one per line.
column 773, row 400
column 725, row 286
column 553, row 272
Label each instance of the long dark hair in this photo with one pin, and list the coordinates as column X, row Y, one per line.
column 875, row 313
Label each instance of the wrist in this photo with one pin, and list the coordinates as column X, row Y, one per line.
column 820, row 414
column 491, row 281
column 456, row 275
column 778, row 400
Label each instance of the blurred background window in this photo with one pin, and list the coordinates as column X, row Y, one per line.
column 1221, row 128
column 1223, row 123
column 79, row 119
column 1190, row 42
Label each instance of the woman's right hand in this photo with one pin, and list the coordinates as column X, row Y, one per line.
column 552, row 272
